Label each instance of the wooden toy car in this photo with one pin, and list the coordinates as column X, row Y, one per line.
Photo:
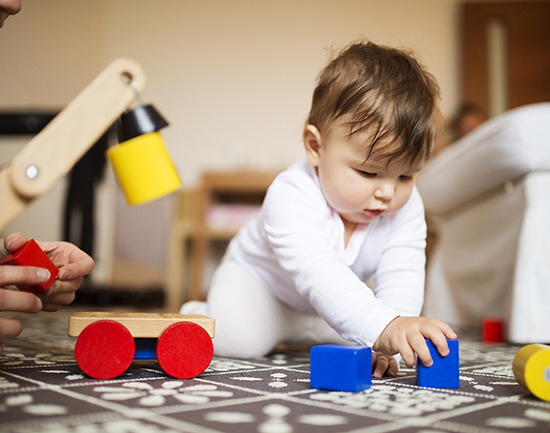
column 108, row 342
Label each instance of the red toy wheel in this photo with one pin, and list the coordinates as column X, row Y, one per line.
column 184, row 350
column 104, row 349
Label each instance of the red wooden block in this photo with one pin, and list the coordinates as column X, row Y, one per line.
column 31, row 254
column 104, row 349
column 184, row 350
column 493, row 330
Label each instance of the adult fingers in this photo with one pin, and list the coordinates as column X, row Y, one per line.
column 12, row 243
column 23, row 275
column 61, row 292
column 83, row 266
column 71, row 260
column 51, row 308
column 10, row 328
column 53, row 304
column 14, row 300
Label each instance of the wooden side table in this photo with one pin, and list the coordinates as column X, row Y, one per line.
column 193, row 221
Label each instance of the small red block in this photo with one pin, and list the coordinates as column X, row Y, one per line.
column 31, row 254
column 104, row 349
column 184, row 350
column 493, row 330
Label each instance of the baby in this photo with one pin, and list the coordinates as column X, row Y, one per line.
column 346, row 215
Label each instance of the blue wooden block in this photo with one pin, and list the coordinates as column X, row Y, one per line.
column 340, row 367
column 146, row 348
column 444, row 373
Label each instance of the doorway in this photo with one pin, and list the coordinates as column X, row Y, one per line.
column 505, row 54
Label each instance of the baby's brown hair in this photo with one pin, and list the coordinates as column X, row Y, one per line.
column 383, row 90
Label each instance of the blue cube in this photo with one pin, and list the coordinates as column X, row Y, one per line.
column 146, row 348
column 341, row 368
column 444, row 373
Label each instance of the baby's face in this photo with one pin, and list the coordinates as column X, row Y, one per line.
column 358, row 189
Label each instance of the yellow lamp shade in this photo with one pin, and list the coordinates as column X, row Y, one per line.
column 143, row 168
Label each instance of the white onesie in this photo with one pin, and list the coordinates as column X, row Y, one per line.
column 287, row 273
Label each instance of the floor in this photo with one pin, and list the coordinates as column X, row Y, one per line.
column 43, row 390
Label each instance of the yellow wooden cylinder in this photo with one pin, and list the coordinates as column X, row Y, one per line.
column 143, row 168
column 531, row 368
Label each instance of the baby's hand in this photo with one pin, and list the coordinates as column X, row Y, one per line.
column 383, row 364
column 406, row 335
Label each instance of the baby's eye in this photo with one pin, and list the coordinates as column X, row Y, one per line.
column 367, row 173
column 405, row 177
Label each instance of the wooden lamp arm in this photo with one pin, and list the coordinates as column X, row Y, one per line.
column 53, row 152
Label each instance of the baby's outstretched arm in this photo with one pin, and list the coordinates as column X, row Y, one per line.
column 406, row 335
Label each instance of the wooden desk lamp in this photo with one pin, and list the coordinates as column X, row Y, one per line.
column 142, row 164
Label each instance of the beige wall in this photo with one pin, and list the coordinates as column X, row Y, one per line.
column 234, row 77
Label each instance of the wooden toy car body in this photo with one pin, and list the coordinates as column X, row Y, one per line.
column 108, row 342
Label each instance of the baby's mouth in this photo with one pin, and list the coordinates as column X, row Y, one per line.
column 373, row 213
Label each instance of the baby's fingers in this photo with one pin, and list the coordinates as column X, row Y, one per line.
column 438, row 332
column 380, row 365
column 393, row 368
column 383, row 364
column 445, row 328
column 449, row 332
column 418, row 345
column 407, row 353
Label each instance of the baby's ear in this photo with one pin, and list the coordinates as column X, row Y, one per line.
column 312, row 144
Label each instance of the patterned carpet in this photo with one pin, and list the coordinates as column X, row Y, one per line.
column 43, row 390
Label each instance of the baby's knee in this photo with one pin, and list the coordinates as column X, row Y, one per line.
column 241, row 348
column 244, row 337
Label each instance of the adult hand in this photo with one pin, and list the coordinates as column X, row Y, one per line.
column 12, row 299
column 72, row 263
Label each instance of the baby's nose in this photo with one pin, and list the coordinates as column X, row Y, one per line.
column 385, row 191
